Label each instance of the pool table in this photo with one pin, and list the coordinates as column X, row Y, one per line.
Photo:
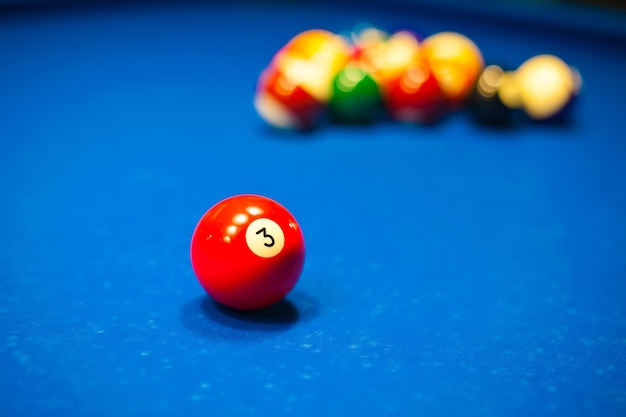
column 451, row 269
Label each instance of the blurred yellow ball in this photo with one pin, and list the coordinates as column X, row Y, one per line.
column 545, row 86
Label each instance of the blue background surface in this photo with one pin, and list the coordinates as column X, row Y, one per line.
column 451, row 269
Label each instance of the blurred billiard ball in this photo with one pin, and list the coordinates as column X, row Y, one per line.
column 247, row 252
column 456, row 62
column 415, row 96
column 547, row 87
column 285, row 103
column 494, row 99
column 293, row 91
column 355, row 97
column 387, row 58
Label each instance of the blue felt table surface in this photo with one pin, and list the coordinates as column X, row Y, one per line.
column 451, row 270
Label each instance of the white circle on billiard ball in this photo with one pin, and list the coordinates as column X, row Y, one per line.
column 265, row 238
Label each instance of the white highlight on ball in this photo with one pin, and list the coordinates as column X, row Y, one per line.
column 265, row 238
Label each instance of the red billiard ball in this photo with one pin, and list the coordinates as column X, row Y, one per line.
column 415, row 96
column 247, row 252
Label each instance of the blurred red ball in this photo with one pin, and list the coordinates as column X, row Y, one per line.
column 415, row 96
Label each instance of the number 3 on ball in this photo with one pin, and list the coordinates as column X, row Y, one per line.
column 265, row 238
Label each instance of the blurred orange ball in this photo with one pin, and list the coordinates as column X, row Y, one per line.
column 456, row 63
column 365, row 41
column 386, row 59
column 318, row 45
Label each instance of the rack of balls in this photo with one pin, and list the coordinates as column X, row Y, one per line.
column 369, row 74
